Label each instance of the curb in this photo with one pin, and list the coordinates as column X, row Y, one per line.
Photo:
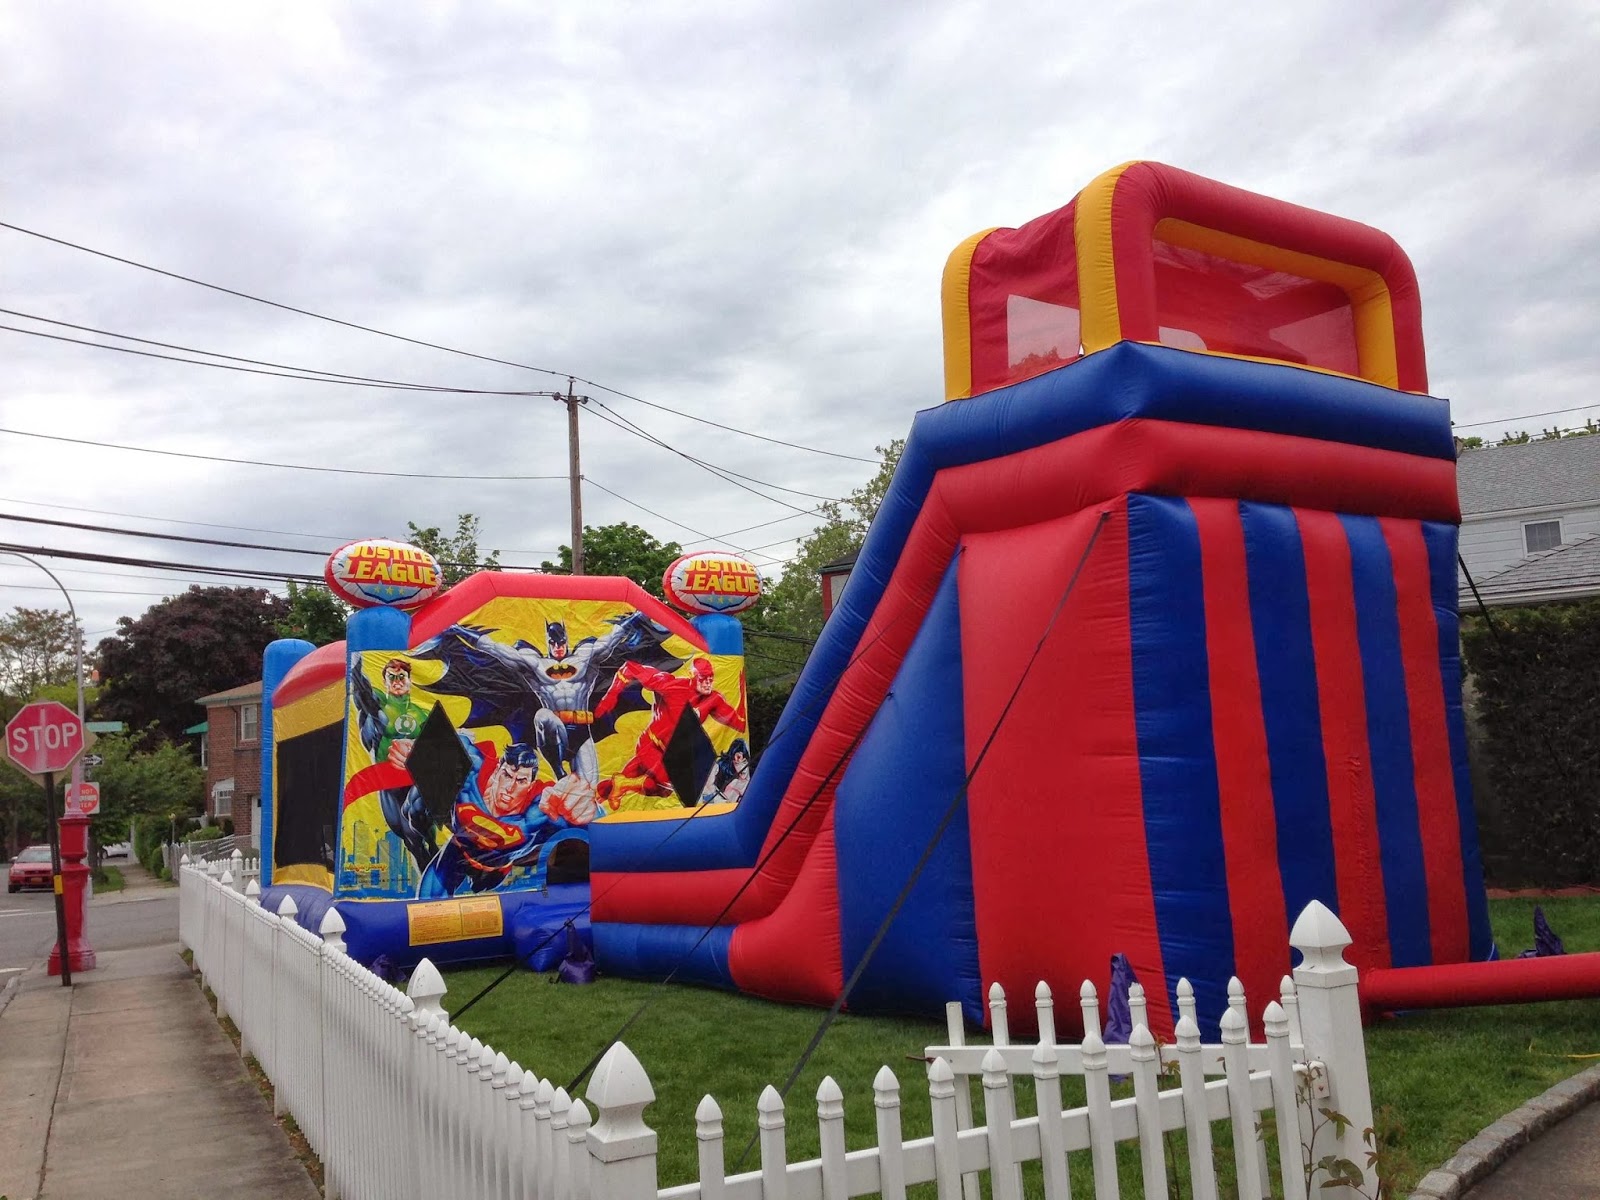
column 1499, row 1140
column 12, row 987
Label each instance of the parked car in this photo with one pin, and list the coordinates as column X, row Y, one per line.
column 31, row 868
column 118, row 850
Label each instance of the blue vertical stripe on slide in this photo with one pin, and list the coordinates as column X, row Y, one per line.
column 1280, row 612
column 1177, row 755
column 1441, row 542
column 1394, row 780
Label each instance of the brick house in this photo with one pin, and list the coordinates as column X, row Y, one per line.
column 230, row 752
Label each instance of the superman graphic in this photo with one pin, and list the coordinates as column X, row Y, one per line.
column 501, row 817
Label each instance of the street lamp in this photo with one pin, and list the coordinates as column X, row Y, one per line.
column 77, row 775
column 77, row 641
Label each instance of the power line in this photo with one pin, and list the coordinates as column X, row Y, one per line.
column 76, row 591
column 284, row 371
column 300, row 373
column 337, row 539
column 141, row 576
column 1554, row 412
column 197, row 362
column 677, row 412
column 699, row 533
column 165, row 537
column 639, row 430
column 611, row 419
column 202, row 541
column 305, row 312
column 250, row 462
column 197, row 568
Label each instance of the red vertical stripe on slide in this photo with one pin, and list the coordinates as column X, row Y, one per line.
column 1437, row 814
column 1060, row 867
column 1341, row 694
column 1244, row 772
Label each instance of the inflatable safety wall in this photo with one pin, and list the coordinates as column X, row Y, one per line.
column 437, row 774
column 1152, row 642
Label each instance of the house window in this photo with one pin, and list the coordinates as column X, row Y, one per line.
column 222, row 798
column 204, row 746
column 1541, row 535
column 249, row 722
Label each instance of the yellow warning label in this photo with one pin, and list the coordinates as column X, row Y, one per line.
column 481, row 917
column 454, row 920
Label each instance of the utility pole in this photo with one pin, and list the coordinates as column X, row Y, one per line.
column 575, row 478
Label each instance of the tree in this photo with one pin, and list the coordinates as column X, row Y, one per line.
column 37, row 648
column 458, row 556
column 158, row 785
column 794, row 606
column 206, row 640
column 621, row 549
column 315, row 614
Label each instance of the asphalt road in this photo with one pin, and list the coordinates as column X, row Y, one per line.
column 28, row 925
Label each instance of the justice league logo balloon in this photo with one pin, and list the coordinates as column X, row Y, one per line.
column 712, row 583
column 378, row 571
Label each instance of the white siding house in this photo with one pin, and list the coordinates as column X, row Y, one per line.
column 1518, row 501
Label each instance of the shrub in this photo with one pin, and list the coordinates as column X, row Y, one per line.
column 1537, row 692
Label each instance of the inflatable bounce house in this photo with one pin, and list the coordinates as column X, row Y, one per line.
column 1152, row 643
column 435, row 776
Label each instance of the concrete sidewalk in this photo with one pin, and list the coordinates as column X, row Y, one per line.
column 137, row 884
column 125, row 1085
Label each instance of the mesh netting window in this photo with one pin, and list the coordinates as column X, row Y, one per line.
column 1203, row 301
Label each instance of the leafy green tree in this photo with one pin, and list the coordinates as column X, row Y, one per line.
column 458, row 555
column 37, row 648
column 621, row 549
column 155, row 786
column 21, row 808
column 315, row 614
column 202, row 641
column 794, row 605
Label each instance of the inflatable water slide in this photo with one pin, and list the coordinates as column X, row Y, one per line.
column 1152, row 643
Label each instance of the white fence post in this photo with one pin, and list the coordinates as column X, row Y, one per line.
column 955, row 1023
column 1330, row 1017
column 578, row 1150
column 772, row 1123
column 830, row 1137
column 891, row 1162
column 622, row 1148
column 713, row 1164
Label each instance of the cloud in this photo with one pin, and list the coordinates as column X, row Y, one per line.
column 739, row 212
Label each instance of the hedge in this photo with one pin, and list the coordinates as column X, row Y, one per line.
column 1535, row 722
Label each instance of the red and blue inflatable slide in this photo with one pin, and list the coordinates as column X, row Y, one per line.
column 1250, row 698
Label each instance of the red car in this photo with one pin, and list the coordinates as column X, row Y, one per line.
column 31, row 868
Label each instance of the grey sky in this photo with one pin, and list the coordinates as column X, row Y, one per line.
column 741, row 211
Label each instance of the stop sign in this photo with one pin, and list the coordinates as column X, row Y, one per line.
column 44, row 737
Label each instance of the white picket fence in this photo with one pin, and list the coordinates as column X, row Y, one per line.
column 398, row 1103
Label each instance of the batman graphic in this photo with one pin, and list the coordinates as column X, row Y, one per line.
column 547, row 698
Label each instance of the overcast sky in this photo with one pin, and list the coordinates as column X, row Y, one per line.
column 740, row 211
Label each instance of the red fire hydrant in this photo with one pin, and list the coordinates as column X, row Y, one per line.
column 75, row 895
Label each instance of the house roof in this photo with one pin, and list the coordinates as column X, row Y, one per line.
column 1534, row 474
column 245, row 691
column 1569, row 572
column 838, row 564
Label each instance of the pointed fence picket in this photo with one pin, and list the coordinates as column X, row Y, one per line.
column 400, row 1104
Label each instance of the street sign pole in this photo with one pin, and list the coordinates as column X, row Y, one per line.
column 52, row 815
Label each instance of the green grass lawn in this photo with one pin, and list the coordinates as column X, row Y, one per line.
column 106, row 879
column 1437, row 1078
